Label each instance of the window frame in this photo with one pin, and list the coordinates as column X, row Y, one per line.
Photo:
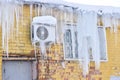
column 76, row 59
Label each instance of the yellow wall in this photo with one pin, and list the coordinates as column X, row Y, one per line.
column 52, row 69
column 112, row 67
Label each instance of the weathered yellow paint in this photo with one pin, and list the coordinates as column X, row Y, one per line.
column 21, row 43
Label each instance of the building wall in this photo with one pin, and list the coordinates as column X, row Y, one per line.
column 52, row 69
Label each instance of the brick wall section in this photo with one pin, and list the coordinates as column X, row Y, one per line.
column 51, row 68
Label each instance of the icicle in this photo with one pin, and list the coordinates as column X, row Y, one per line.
column 95, row 42
column 43, row 10
column 3, row 34
column 87, row 26
column 80, row 30
column 51, row 10
column 85, row 60
column 12, row 20
column 35, row 49
column 17, row 19
column 36, row 10
column 21, row 9
column 7, row 40
column 0, row 15
column 3, row 26
column 57, row 32
column 71, row 15
column 63, row 64
column 115, row 20
column 43, row 48
column 107, row 20
column 39, row 9
column 7, row 28
column 61, row 24
column 31, row 11
column 80, row 63
column 84, row 49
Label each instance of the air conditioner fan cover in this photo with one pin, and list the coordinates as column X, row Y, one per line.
column 42, row 33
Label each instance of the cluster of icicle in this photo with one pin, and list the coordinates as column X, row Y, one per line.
column 88, row 39
column 111, row 20
column 9, row 15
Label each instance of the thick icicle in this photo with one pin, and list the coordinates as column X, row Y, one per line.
column 21, row 11
column 95, row 37
column 87, row 26
column 58, row 27
column 31, row 12
column 86, row 59
column 43, row 10
column 43, row 49
column 84, row 51
column 36, row 13
column 61, row 24
column 12, row 21
column 5, row 26
column 17, row 11
column 38, row 10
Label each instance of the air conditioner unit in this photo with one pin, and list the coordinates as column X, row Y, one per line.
column 43, row 33
column 43, row 29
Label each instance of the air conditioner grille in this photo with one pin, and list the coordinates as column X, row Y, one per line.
column 42, row 33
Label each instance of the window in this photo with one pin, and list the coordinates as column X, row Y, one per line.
column 103, row 43
column 70, row 43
